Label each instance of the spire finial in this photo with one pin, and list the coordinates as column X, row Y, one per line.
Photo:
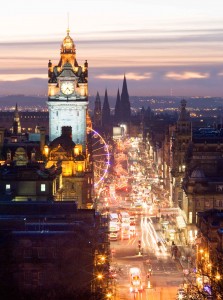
column 68, row 24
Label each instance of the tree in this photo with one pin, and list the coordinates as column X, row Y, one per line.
column 206, row 280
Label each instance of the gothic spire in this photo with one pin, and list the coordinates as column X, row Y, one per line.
column 97, row 111
column 106, row 110
column 125, row 104
column 118, row 108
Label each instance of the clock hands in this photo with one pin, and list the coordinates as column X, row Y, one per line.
column 67, row 88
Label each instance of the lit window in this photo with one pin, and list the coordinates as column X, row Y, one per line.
column 8, row 187
column 43, row 187
column 190, row 217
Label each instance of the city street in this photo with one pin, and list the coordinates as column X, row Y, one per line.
column 166, row 273
column 133, row 187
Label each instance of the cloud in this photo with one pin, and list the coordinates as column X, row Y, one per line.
column 186, row 75
column 220, row 74
column 129, row 76
column 16, row 77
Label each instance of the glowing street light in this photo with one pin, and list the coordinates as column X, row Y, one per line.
column 218, row 277
column 100, row 276
column 108, row 295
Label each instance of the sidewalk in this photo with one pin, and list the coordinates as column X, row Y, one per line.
column 186, row 255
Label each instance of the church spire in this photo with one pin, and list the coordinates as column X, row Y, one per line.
column 118, row 108
column 125, row 104
column 97, row 111
column 106, row 111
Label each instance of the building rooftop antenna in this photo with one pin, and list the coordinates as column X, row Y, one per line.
column 68, row 23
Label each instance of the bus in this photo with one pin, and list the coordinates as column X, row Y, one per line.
column 124, row 217
column 114, row 217
column 114, row 231
column 125, row 231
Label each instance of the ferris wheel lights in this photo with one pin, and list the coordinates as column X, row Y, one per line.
column 97, row 154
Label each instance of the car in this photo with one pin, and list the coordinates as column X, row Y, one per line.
column 135, row 280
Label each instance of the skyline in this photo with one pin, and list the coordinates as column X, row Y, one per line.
column 162, row 48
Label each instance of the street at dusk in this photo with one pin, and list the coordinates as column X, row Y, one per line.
column 145, row 247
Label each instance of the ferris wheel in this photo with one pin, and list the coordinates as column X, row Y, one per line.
column 100, row 156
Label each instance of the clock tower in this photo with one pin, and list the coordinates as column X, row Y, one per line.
column 68, row 94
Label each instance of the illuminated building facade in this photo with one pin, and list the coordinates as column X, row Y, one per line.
column 76, row 169
column 68, row 94
column 68, row 121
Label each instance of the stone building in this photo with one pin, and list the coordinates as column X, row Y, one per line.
column 77, row 173
column 68, row 94
column 23, row 180
column 50, row 249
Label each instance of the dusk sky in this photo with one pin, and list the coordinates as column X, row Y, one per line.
column 164, row 47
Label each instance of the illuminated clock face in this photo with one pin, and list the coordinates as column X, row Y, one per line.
column 67, row 87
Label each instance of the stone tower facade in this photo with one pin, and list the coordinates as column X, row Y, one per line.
column 68, row 94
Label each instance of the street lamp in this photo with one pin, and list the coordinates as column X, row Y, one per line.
column 218, row 277
column 109, row 295
column 100, row 276
column 102, row 258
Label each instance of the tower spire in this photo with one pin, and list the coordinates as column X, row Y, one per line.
column 68, row 23
column 125, row 104
column 118, row 108
column 97, row 111
column 106, row 111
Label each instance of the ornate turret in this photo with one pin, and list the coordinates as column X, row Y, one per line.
column 68, row 44
column 68, row 51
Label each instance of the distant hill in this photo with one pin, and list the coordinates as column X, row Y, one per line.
column 24, row 102
column 34, row 102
